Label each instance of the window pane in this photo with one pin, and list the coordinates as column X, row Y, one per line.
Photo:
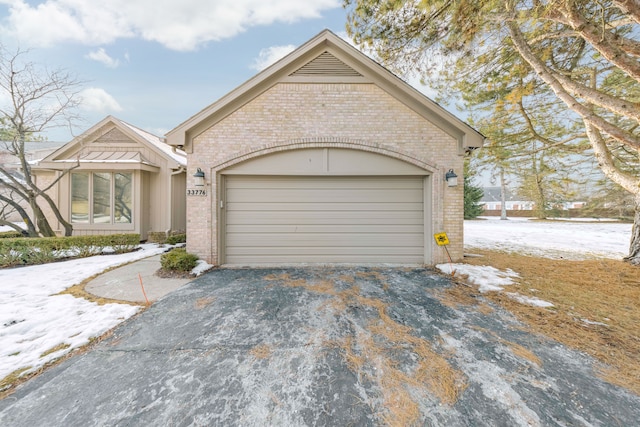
column 122, row 198
column 80, row 197
column 101, row 198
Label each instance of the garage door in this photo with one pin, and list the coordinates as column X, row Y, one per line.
column 324, row 220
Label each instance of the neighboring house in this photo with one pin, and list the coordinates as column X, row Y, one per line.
column 10, row 163
column 324, row 157
column 492, row 201
column 123, row 180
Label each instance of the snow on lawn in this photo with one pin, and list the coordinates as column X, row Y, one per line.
column 34, row 320
column 550, row 239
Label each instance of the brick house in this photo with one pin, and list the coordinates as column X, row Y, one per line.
column 324, row 157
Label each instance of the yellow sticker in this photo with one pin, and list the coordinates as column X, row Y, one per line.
column 441, row 239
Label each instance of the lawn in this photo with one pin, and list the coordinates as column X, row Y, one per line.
column 596, row 300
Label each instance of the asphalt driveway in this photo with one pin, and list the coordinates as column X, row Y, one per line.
column 321, row 347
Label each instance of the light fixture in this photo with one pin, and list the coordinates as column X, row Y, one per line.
column 199, row 178
column 452, row 178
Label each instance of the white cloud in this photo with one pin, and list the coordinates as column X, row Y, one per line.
column 96, row 99
column 183, row 25
column 269, row 55
column 102, row 56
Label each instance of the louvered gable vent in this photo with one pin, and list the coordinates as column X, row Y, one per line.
column 326, row 65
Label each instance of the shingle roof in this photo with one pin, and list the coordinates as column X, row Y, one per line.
column 492, row 194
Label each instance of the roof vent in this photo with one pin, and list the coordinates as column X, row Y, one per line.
column 326, row 65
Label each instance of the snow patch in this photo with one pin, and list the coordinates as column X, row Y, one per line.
column 487, row 278
column 532, row 301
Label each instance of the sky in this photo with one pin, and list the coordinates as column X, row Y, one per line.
column 155, row 63
column 34, row 318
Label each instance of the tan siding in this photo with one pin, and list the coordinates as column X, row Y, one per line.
column 178, row 199
column 324, row 220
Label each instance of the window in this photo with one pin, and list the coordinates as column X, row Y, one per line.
column 101, row 198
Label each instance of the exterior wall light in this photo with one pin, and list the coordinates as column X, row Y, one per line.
column 452, row 178
column 199, row 178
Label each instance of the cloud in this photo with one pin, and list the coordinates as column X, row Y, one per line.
column 184, row 25
column 96, row 99
column 101, row 55
column 269, row 55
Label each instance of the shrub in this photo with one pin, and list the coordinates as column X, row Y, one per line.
column 178, row 260
column 156, row 237
column 176, row 238
column 31, row 250
column 10, row 234
column 122, row 243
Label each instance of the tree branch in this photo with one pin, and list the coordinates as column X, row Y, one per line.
column 556, row 81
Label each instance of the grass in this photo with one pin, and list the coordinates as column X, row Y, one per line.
column 61, row 346
column 10, row 380
column 596, row 307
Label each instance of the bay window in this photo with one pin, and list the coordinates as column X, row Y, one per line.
column 101, row 198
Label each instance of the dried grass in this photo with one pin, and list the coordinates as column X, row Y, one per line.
column 203, row 302
column 605, row 291
column 78, row 291
column 10, row 381
column 61, row 346
column 261, row 351
column 373, row 352
column 517, row 349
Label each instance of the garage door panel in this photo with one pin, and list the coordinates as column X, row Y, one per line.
column 325, row 239
column 330, row 258
column 328, row 182
column 324, row 220
column 306, row 250
column 321, row 228
column 316, row 207
column 323, row 195
column 326, row 217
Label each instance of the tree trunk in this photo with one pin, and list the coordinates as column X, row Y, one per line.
column 31, row 229
column 41, row 221
column 634, row 245
column 503, row 196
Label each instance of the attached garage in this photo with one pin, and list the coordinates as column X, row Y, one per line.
column 324, row 157
column 326, row 220
column 336, row 208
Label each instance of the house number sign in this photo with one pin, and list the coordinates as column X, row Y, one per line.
column 194, row 192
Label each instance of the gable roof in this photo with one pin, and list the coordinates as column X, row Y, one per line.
column 494, row 194
column 325, row 58
column 62, row 156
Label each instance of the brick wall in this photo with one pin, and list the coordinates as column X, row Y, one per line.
column 297, row 115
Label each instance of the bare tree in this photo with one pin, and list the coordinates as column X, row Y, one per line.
column 32, row 100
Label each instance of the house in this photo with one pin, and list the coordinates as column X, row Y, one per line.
column 492, row 200
column 11, row 164
column 116, row 178
column 324, row 157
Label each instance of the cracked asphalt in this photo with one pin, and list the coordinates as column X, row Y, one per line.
column 321, row 347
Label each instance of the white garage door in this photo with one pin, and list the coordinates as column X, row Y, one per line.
column 324, row 220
